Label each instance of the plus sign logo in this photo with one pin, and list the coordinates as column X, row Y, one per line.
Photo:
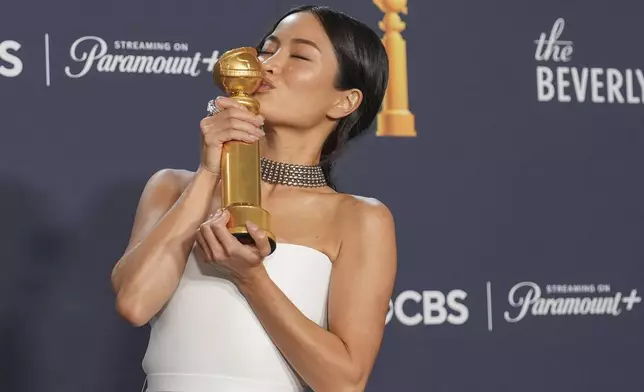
column 631, row 300
column 210, row 61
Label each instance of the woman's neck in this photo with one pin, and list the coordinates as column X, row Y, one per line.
column 292, row 146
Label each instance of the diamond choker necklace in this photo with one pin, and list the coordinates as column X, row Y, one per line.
column 290, row 174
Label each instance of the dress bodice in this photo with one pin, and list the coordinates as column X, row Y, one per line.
column 207, row 337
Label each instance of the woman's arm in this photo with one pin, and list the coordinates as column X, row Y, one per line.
column 362, row 280
column 162, row 236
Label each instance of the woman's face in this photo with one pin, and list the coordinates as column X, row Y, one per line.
column 301, row 68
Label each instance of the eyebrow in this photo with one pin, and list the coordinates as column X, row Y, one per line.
column 294, row 40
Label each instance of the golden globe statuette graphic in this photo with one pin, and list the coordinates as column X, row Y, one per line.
column 395, row 119
column 238, row 72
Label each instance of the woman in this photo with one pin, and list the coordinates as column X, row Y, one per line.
column 232, row 317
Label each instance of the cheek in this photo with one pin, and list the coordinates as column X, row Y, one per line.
column 291, row 108
column 308, row 87
column 302, row 100
column 302, row 79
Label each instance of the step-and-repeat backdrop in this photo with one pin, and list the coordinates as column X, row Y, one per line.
column 515, row 182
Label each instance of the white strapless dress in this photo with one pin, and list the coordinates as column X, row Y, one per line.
column 207, row 338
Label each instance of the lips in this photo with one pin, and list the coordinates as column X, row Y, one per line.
column 265, row 86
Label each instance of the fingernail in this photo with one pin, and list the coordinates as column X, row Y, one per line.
column 252, row 226
column 261, row 119
column 218, row 213
column 261, row 131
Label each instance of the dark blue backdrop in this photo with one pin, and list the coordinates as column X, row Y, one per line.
column 522, row 187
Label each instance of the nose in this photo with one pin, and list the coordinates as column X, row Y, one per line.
column 271, row 65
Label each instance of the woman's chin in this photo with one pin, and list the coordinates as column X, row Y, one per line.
column 266, row 107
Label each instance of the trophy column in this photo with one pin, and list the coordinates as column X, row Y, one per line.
column 395, row 118
column 238, row 72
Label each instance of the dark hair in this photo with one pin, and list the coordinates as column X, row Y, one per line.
column 362, row 64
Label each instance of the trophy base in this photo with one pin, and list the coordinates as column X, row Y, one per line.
column 398, row 122
column 242, row 213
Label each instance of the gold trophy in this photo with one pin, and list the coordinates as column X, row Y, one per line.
column 238, row 72
column 395, row 118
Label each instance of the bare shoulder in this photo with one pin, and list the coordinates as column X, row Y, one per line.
column 170, row 179
column 364, row 212
column 366, row 228
column 161, row 191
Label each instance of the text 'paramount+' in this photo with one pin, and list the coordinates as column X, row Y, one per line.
column 527, row 298
column 93, row 53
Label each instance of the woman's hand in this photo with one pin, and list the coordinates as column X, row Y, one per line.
column 241, row 262
column 232, row 122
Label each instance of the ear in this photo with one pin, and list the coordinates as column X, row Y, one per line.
column 348, row 102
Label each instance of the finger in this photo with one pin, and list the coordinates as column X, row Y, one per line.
column 211, row 125
column 221, row 232
column 205, row 123
column 223, row 103
column 244, row 125
column 203, row 245
column 231, row 245
column 260, row 238
column 217, row 250
column 231, row 134
column 245, row 115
